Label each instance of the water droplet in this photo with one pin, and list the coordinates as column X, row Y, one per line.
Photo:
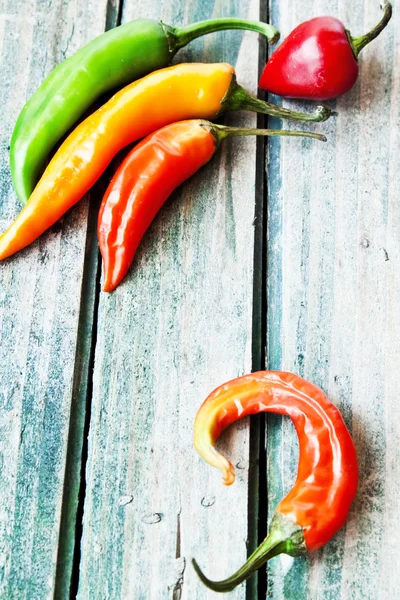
column 151, row 518
column 97, row 548
column 208, row 501
column 123, row 500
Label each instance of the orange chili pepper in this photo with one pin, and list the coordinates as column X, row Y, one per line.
column 317, row 506
column 147, row 177
column 179, row 92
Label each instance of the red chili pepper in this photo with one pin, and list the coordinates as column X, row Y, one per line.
column 147, row 177
column 317, row 506
column 318, row 59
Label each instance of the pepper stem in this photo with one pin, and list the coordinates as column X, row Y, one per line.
column 285, row 537
column 237, row 98
column 358, row 43
column 221, row 132
column 178, row 37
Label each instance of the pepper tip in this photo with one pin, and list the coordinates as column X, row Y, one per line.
column 228, row 475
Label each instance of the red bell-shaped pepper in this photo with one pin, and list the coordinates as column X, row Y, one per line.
column 318, row 59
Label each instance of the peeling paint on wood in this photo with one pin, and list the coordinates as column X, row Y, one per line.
column 178, row 326
column 333, row 302
column 181, row 324
column 40, row 297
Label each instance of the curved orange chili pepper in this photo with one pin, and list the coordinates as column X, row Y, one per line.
column 147, row 177
column 317, row 506
column 180, row 92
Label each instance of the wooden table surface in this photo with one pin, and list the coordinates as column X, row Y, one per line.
column 281, row 253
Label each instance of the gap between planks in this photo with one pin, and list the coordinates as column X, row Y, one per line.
column 71, row 527
column 257, row 493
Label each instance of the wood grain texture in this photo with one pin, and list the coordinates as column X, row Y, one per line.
column 41, row 372
column 333, row 306
column 178, row 326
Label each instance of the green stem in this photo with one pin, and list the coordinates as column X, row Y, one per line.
column 237, row 98
column 221, row 132
column 178, row 37
column 358, row 43
column 285, row 537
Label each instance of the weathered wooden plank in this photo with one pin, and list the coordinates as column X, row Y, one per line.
column 333, row 299
column 40, row 329
column 179, row 325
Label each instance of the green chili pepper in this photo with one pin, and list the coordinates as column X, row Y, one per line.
column 110, row 61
